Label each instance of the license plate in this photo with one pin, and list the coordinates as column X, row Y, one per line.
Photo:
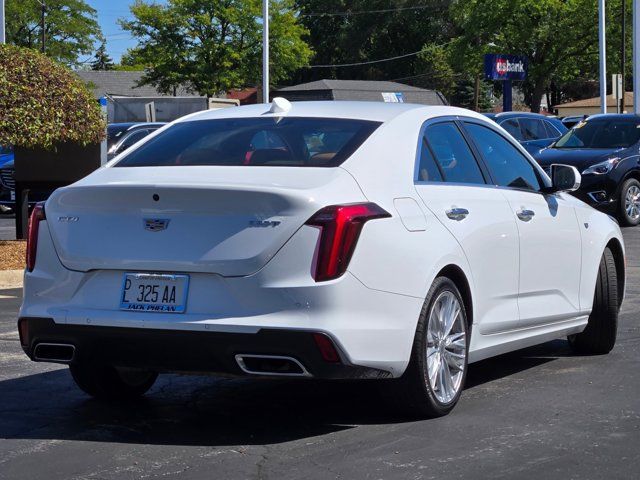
column 13, row 195
column 154, row 292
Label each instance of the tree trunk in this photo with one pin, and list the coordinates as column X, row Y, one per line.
column 536, row 96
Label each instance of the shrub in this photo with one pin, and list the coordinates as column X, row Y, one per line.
column 42, row 103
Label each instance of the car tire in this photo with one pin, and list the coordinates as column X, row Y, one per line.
column 630, row 188
column 111, row 383
column 417, row 392
column 599, row 337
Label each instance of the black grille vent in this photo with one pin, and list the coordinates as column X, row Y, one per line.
column 7, row 178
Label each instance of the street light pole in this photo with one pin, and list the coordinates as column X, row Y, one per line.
column 42, row 12
column 2, row 35
column 265, row 51
column 603, row 56
column 636, row 57
column 623, row 52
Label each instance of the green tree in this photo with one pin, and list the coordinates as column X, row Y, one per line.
column 361, row 31
column 212, row 46
column 44, row 103
column 71, row 28
column 102, row 59
column 559, row 37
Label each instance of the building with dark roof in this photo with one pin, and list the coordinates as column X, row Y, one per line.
column 121, row 83
column 363, row 90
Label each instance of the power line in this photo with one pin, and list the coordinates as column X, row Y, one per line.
column 368, row 62
column 363, row 12
column 428, row 75
column 376, row 61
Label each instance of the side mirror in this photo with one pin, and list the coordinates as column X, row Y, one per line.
column 565, row 178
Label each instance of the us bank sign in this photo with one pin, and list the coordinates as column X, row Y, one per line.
column 505, row 67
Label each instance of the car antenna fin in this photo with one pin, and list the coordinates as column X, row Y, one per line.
column 279, row 107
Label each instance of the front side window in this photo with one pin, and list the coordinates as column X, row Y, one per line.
column 552, row 131
column 453, row 155
column 508, row 167
column 284, row 141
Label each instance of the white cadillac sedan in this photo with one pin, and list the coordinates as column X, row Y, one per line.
column 336, row 240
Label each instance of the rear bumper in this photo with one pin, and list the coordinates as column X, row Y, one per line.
column 186, row 351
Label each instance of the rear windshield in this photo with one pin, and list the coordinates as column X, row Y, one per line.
column 278, row 142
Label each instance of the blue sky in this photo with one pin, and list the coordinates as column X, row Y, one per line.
column 108, row 13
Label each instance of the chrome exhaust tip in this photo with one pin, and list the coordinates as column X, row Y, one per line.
column 271, row 365
column 54, row 352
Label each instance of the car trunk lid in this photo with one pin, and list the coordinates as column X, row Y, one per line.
column 225, row 220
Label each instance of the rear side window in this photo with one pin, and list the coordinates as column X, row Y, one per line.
column 533, row 129
column 452, row 154
column 513, row 128
column 507, row 165
column 428, row 171
column 294, row 141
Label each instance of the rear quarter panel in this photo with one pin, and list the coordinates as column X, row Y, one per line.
column 394, row 255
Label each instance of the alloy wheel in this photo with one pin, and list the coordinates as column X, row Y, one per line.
column 446, row 347
column 632, row 202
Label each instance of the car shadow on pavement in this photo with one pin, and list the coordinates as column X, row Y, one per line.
column 210, row 411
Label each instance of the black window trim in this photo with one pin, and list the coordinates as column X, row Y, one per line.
column 536, row 168
column 422, row 142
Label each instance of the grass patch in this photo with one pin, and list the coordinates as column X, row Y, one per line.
column 12, row 254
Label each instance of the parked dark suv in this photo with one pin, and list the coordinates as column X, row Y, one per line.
column 8, row 185
column 606, row 151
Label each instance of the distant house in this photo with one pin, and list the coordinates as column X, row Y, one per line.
column 126, row 100
column 123, row 84
column 247, row 96
column 363, row 90
column 591, row 106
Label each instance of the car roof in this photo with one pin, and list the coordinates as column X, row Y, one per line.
column 354, row 110
column 611, row 116
column 503, row 115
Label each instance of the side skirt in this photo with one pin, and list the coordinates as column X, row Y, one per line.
column 496, row 344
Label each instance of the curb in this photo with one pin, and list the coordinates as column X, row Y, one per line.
column 11, row 278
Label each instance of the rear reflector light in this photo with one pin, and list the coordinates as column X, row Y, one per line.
column 23, row 331
column 327, row 348
column 37, row 215
column 340, row 228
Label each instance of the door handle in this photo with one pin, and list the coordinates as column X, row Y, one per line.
column 525, row 215
column 457, row 214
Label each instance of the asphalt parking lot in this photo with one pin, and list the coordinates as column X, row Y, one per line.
column 7, row 226
column 540, row 413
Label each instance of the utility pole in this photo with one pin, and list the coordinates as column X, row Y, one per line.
column 623, row 53
column 2, row 35
column 265, row 51
column 603, row 56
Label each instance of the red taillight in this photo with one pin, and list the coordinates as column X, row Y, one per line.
column 37, row 215
column 340, row 228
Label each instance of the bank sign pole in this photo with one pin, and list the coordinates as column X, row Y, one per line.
column 505, row 69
